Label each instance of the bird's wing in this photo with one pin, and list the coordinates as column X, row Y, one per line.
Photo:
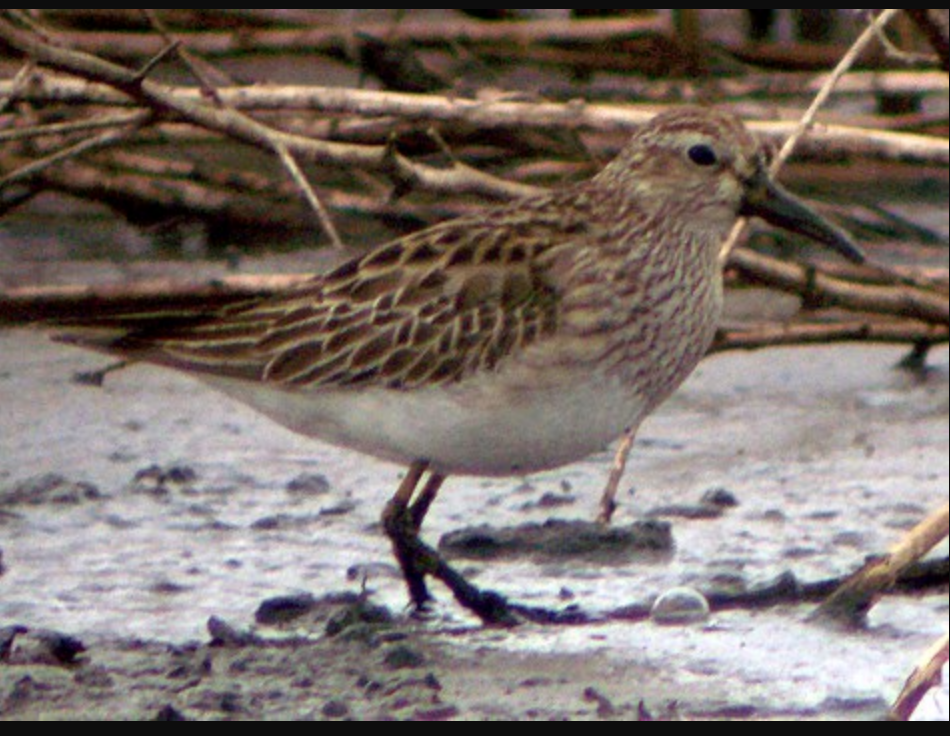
column 424, row 310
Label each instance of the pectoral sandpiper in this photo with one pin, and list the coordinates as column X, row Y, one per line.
column 518, row 340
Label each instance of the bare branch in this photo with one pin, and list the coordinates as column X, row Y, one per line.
column 332, row 39
column 164, row 100
column 761, row 337
column 16, row 86
column 194, row 64
column 322, row 99
column 825, row 141
column 926, row 677
column 853, row 600
column 326, row 222
column 81, row 126
column 820, row 290
column 95, row 143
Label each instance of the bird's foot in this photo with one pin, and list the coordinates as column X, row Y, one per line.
column 417, row 560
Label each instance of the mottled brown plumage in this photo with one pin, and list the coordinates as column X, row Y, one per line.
column 518, row 340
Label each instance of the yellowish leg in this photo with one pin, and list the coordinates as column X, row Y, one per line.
column 608, row 502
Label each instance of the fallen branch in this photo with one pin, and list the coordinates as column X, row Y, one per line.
column 760, row 337
column 182, row 18
column 101, row 141
column 334, row 39
column 854, row 599
column 819, row 290
column 929, row 279
column 825, row 141
column 164, row 101
column 48, row 90
column 926, row 677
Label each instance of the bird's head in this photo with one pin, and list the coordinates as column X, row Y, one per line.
column 704, row 169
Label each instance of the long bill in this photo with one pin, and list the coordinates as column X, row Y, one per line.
column 773, row 203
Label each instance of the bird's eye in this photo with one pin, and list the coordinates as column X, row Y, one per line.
column 703, row 155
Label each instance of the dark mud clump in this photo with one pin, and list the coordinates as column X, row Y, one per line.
column 46, row 490
column 558, row 540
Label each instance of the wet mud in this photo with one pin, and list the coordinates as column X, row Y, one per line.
column 149, row 520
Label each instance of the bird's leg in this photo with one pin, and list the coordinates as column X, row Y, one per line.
column 425, row 499
column 402, row 522
column 608, row 502
column 404, row 535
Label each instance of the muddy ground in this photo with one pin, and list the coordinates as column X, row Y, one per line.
column 169, row 506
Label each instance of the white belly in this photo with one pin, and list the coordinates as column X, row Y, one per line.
column 469, row 429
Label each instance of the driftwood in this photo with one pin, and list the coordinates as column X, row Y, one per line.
column 231, row 123
column 790, row 85
column 827, row 141
column 336, row 39
column 852, row 601
column 647, row 42
column 926, row 677
column 819, row 290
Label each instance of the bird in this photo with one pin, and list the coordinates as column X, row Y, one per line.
column 520, row 339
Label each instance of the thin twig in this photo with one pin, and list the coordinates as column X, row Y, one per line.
column 105, row 140
column 156, row 61
column 188, row 59
column 326, row 222
column 808, row 121
column 16, row 86
column 935, row 23
column 210, row 90
column 904, row 57
column 82, row 126
column 28, row 21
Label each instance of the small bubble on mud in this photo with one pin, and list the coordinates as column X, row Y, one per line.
column 680, row 607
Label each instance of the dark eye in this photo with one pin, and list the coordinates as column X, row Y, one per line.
column 703, row 155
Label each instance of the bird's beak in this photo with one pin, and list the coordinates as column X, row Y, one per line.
column 766, row 199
